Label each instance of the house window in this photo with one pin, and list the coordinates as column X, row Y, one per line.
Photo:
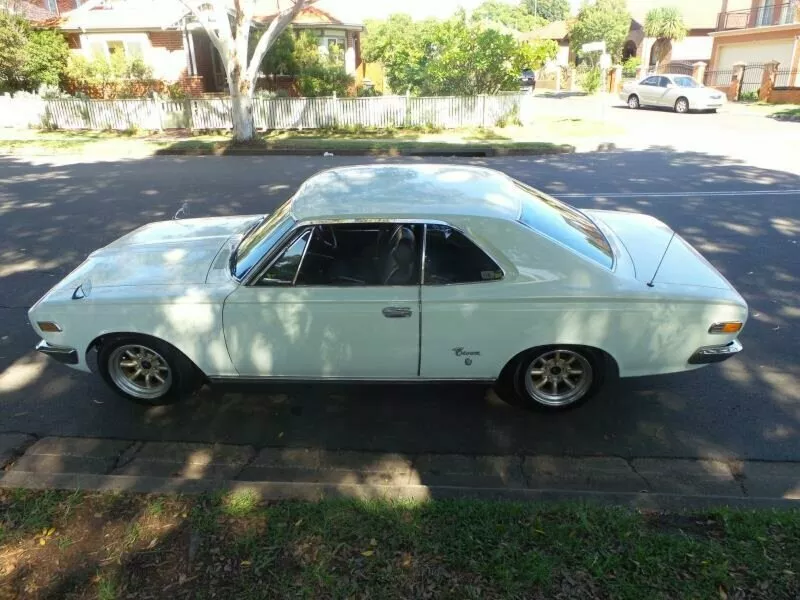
column 52, row 6
column 115, row 48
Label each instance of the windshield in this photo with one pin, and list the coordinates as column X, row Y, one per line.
column 256, row 243
column 566, row 225
column 686, row 82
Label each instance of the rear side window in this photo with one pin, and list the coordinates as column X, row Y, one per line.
column 566, row 225
column 450, row 257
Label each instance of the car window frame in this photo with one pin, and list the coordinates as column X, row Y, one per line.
column 471, row 241
column 666, row 81
column 291, row 236
column 301, row 227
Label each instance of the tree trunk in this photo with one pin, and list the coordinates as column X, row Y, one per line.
column 244, row 129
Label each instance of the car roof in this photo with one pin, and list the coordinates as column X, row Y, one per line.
column 422, row 191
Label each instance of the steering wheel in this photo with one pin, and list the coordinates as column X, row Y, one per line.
column 328, row 237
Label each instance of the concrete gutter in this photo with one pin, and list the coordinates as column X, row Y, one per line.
column 312, row 474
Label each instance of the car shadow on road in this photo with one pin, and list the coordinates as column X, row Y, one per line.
column 55, row 213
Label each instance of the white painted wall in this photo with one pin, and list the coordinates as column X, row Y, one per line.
column 167, row 64
column 693, row 48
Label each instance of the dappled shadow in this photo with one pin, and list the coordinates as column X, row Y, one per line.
column 54, row 214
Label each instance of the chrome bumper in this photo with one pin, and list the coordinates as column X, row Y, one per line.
column 63, row 354
column 715, row 354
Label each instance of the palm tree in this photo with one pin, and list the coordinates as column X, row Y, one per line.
column 664, row 23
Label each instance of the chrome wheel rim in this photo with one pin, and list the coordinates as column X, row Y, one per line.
column 558, row 377
column 140, row 371
column 633, row 102
column 682, row 106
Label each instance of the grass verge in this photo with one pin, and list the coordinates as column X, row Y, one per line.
column 59, row 544
column 787, row 113
column 478, row 142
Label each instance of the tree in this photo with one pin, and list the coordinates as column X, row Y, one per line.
column 228, row 25
column 29, row 58
column 452, row 57
column 512, row 16
column 666, row 25
column 549, row 10
column 605, row 20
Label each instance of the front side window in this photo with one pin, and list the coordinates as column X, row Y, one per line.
column 565, row 225
column 283, row 269
column 650, row 81
column 450, row 257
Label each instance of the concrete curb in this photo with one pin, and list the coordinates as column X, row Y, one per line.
column 313, row 473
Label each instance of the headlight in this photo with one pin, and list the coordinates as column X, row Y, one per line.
column 726, row 327
column 49, row 326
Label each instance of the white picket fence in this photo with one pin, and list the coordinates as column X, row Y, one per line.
column 270, row 113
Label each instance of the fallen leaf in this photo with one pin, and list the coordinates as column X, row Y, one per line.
column 42, row 541
column 373, row 542
column 153, row 543
column 364, row 553
column 723, row 595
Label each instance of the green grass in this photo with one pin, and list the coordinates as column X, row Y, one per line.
column 244, row 548
column 788, row 112
column 352, row 141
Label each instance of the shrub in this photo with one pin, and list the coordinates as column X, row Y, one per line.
column 748, row 96
column 590, row 80
column 367, row 92
column 629, row 66
column 29, row 58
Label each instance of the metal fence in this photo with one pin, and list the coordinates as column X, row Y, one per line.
column 269, row 113
column 676, row 67
column 751, row 79
column 787, row 78
column 718, row 78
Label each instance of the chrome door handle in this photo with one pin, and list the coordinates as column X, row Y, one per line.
column 396, row 312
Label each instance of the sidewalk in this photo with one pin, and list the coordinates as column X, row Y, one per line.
column 310, row 473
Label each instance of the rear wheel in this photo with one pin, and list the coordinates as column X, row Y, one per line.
column 146, row 370
column 633, row 101
column 681, row 105
column 556, row 378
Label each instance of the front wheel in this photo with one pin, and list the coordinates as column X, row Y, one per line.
column 557, row 378
column 682, row 105
column 146, row 370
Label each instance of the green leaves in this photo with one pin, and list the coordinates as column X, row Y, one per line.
column 453, row 57
column 665, row 22
column 605, row 20
column 29, row 58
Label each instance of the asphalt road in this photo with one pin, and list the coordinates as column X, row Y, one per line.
column 745, row 219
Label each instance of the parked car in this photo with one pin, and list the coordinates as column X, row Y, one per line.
column 407, row 273
column 527, row 80
column 679, row 92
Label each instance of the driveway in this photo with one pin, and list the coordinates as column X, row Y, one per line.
column 745, row 219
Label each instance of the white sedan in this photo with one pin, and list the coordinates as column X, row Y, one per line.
column 679, row 92
column 395, row 273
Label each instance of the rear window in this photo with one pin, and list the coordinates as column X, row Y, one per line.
column 566, row 225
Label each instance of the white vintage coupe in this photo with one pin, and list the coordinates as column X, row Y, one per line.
column 395, row 273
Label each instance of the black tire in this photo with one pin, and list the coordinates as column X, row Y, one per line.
column 682, row 105
column 516, row 389
column 183, row 376
column 633, row 102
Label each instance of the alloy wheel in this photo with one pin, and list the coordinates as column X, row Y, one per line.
column 558, row 377
column 140, row 371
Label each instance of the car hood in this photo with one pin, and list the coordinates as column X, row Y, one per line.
column 659, row 255
column 168, row 252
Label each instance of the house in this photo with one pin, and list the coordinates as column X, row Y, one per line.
column 759, row 32
column 559, row 32
column 166, row 36
column 700, row 18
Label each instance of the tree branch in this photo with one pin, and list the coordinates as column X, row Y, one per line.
column 221, row 43
column 275, row 28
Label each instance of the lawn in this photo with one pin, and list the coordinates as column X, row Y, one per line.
column 72, row 545
column 548, row 136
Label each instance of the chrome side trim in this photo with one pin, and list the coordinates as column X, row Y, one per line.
column 714, row 354
column 283, row 379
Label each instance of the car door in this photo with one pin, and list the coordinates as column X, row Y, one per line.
column 647, row 90
column 335, row 301
column 665, row 94
column 461, row 300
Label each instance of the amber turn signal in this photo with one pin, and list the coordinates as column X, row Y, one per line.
column 726, row 327
column 49, row 326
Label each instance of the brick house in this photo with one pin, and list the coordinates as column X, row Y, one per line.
column 755, row 32
column 166, row 37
